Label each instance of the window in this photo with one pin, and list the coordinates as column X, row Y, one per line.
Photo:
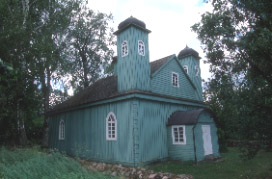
column 111, row 127
column 175, row 79
column 178, row 135
column 197, row 70
column 185, row 67
column 141, row 48
column 124, row 48
column 61, row 130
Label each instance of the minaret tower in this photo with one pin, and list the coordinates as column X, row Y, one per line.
column 132, row 65
column 190, row 61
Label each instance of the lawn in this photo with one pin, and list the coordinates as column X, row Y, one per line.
column 33, row 163
column 232, row 167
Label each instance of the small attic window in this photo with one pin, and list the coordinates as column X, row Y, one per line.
column 196, row 70
column 141, row 48
column 186, row 69
column 175, row 79
column 124, row 48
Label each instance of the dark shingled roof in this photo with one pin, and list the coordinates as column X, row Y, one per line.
column 188, row 52
column 185, row 117
column 131, row 21
column 101, row 89
column 155, row 65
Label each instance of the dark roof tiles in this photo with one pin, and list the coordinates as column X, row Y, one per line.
column 155, row 65
column 185, row 117
column 188, row 52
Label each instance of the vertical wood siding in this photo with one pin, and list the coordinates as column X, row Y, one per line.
column 205, row 119
column 181, row 152
column 153, row 139
column 162, row 82
column 133, row 70
column 85, row 133
column 191, row 62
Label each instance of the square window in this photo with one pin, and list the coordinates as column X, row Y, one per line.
column 178, row 135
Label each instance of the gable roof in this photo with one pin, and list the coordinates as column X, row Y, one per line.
column 101, row 89
column 186, row 117
column 155, row 65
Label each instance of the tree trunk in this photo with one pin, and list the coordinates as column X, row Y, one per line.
column 21, row 127
column 46, row 94
column 85, row 69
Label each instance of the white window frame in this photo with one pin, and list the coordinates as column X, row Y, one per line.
column 175, row 82
column 141, row 48
column 109, row 125
column 186, row 69
column 173, row 135
column 61, row 130
column 197, row 70
column 124, row 48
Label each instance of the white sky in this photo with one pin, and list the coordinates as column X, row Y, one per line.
column 169, row 21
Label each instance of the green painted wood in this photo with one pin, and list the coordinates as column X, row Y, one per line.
column 181, row 152
column 85, row 134
column 133, row 70
column 205, row 119
column 162, row 82
column 153, row 138
column 191, row 62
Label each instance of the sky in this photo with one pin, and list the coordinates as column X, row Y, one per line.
column 168, row 20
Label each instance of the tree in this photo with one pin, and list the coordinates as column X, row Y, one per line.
column 237, row 38
column 90, row 45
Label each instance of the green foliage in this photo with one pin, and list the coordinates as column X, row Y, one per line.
column 237, row 39
column 31, row 163
column 232, row 167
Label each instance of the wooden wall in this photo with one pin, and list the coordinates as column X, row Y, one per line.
column 133, row 71
column 85, row 133
column 191, row 62
column 161, row 82
column 205, row 119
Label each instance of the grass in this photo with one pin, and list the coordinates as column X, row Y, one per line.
column 232, row 167
column 32, row 163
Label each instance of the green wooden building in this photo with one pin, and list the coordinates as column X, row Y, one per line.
column 143, row 113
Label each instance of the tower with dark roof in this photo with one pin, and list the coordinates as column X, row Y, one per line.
column 190, row 61
column 132, row 66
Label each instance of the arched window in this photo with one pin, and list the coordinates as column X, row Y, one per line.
column 111, row 127
column 61, row 130
column 124, row 48
column 141, row 48
column 186, row 69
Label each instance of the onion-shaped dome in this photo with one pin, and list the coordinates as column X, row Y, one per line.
column 188, row 52
column 131, row 21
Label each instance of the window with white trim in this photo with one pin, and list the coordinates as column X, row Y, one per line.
column 197, row 70
column 178, row 135
column 141, row 48
column 61, row 130
column 111, row 127
column 124, row 48
column 175, row 79
column 186, row 69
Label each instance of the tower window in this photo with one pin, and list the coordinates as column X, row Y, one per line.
column 141, row 48
column 175, row 79
column 111, row 127
column 196, row 70
column 124, row 48
column 186, row 69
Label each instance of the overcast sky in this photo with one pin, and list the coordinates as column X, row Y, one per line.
column 169, row 21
